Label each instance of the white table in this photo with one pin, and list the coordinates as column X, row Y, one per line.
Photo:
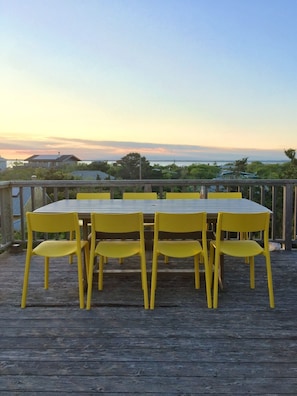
column 84, row 207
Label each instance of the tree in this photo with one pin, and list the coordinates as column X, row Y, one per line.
column 241, row 165
column 99, row 165
column 132, row 167
column 291, row 154
column 290, row 169
column 203, row 171
column 57, row 174
column 265, row 171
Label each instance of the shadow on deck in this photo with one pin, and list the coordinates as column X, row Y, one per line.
column 180, row 348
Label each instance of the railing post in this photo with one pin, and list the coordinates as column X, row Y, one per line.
column 287, row 215
column 6, row 216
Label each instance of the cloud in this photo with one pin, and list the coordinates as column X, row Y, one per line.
column 21, row 147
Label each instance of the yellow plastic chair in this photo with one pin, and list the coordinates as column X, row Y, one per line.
column 244, row 224
column 181, row 223
column 93, row 195
column 224, row 195
column 90, row 195
column 120, row 225
column 182, row 195
column 140, row 195
column 54, row 223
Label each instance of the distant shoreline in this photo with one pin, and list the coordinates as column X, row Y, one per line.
column 166, row 162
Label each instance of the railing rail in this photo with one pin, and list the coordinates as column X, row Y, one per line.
column 17, row 197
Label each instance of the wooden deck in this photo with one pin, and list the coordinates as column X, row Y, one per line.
column 118, row 348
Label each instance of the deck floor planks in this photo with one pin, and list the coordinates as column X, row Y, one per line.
column 180, row 348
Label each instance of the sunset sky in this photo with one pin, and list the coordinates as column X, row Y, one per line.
column 170, row 79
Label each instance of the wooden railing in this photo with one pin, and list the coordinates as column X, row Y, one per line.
column 17, row 197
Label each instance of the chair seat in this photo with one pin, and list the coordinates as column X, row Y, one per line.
column 117, row 249
column 179, row 249
column 240, row 248
column 246, row 225
column 53, row 248
column 55, row 225
column 177, row 227
column 120, row 225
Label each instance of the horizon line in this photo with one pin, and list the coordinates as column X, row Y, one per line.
column 165, row 160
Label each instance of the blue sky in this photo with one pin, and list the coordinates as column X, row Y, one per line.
column 187, row 79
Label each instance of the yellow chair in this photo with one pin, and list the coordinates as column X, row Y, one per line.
column 93, row 195
column 121, row 225
column 54, row 223
column 90, row 195
column 244, row 224
column 224, row 195
column 181, row 223
column 140, row 195
column 182, row 195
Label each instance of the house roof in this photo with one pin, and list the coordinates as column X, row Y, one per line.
column 230, row 174
column 54, row 158
column 26, row 199
column 16, row 199
column 91, row 174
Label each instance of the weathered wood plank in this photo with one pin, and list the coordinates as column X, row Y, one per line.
column 140, row 384
column 180, row 348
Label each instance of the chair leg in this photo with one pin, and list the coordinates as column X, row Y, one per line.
column 269, row 281
column 90, row 280
column 100, row 273
column 216, row 280
column 80, row 281
column 196, row 271
column 46, row 272
column 211, row 262
column 71, row 255
column 26, row 281
column 144, row 283
column 252, row 272
column 154, row 279
column 208, row 276
column 211, row 267
column 87, row 261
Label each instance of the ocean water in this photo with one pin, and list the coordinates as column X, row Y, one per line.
column 218, row 163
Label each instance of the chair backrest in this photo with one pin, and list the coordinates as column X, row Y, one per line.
column 117, row 222
column 183, row 195
column 52, row 222
column 140, row 195
column 180, row 222
column 93, row 195
column 224, row 195
column 243, row 222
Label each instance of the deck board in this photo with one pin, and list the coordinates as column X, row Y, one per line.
column 117, row 348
